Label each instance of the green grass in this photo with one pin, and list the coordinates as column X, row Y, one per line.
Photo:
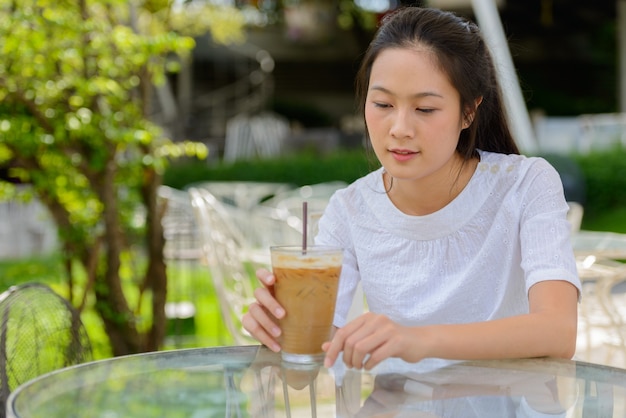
column 187, row 282
column 46, row 269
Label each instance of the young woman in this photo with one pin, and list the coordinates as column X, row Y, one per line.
column 461, row 244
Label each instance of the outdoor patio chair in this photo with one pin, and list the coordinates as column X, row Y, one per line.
column 182, row 254
column 602, row 324
column 288, row 205
column 230, row 259
column 244, row 194
column 40, row 331
column 251, row 136
column 575, row 215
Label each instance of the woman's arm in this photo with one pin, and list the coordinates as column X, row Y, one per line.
column 549, row 329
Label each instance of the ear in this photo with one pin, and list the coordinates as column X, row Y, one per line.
column 470, row 112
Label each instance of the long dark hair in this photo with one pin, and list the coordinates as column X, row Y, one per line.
column 463, row 55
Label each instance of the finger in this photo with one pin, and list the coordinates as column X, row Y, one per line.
column 385, row 350
column 337, row 343
column 374, row 330
column 264, row 318
column 333, row 348
column 389, row 340
column 329, row 360
column 265, row 298
column 261, row 327
column 357, row 346
column 265, row 276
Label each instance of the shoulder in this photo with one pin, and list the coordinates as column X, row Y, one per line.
column 513, row 161
column 520, row 168
column 355, row 201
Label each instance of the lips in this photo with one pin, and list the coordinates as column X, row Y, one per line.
column 402, row 154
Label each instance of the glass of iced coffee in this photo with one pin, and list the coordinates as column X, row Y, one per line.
column 306, row 286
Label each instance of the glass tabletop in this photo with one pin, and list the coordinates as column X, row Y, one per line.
column 251, row 381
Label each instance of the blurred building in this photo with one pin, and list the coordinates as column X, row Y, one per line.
column 302, row 65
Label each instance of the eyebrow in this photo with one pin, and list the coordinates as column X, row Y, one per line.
column 416, row 95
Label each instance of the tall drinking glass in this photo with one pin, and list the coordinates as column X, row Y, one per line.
column 306, row 286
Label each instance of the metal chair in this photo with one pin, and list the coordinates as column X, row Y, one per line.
column 40, row 331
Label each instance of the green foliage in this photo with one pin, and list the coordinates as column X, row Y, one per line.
column 605, row 176
column 351, row 15
column 298, row 169
column 76, row 90
column 597, row 178
column 69, row 83
column 48, row 269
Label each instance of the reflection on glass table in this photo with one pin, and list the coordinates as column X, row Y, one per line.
column 251, row 381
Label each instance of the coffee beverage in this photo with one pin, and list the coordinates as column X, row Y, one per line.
column 306, row 286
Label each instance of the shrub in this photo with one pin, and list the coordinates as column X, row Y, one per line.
column 298, row 169
column 605, row 176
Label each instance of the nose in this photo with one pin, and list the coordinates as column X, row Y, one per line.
column 402, row 125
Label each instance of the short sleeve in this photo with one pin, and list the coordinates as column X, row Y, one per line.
column 545, row 233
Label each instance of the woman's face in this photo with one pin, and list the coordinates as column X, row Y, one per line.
column 413, row 115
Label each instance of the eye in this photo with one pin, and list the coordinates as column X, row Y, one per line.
column 425, row 110
column 381, row 105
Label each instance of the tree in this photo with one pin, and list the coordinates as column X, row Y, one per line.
column 76, row 91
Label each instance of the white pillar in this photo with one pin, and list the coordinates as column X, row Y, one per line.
column 489, row 21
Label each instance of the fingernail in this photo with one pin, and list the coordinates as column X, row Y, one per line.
column 279, row 312
column 275, row 348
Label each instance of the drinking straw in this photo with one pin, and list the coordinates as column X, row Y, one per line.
column 304, row 226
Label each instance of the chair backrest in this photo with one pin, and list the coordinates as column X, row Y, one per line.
column 40, row 331
column 236, row 240
column 226, row 253
column 243, row 194
column 179, row 226
column 288, row 205
column 575, row 215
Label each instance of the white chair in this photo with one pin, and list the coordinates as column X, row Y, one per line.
column 231, row 261
column 288, row 205
column 575, row 215
column 182, row 254
column 244, row 194
column 254, row 136
column 179, row 226
column 602, row 324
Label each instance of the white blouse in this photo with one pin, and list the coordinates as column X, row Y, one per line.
column 473, row 260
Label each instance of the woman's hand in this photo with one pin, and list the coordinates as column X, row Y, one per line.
column 371, row 338
column 261, row 319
